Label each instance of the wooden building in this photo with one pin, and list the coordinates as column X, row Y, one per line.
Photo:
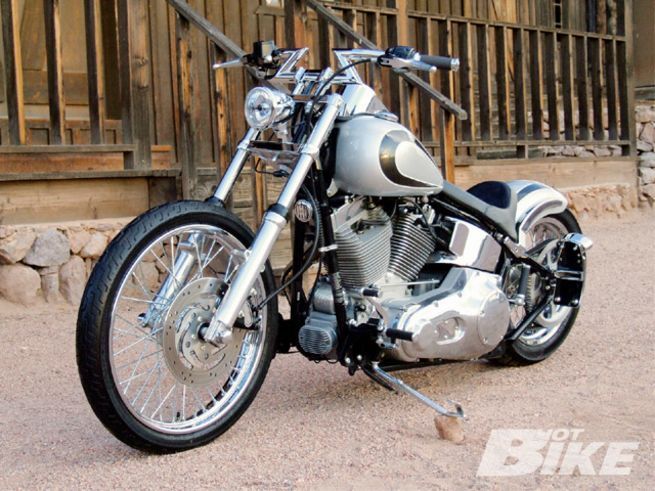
column 109, row 107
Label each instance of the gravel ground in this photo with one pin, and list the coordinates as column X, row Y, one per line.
column 313, row 426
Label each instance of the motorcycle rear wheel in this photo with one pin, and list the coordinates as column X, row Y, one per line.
column 550, row 329
column 145, row 370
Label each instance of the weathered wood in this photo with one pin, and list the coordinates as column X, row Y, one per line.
column 47, row 149
column 339, row 24
column 520, row 106
column 610, row 89
column 57, row 104
column 566, row 67
column 536, row 84
column 13, row 71
column 595, row 66
column 93, row 29
column 550, row 66
column 185, row 89
column 627, row 80
column 447, row 128
column 466, row 80
column 502, row 82
column 295, row 18
column 484, row 81
column 581, row 83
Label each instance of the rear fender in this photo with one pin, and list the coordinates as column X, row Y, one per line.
column 535, row 201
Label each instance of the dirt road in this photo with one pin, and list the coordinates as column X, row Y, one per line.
column 313, row 426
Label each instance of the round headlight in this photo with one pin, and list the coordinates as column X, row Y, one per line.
column 265, row 107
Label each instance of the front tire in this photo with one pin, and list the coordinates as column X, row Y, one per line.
column 145, row 370
column 550, row 330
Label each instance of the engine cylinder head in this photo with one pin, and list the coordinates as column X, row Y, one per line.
column 411, row 245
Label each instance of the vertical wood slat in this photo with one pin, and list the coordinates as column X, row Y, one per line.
column 520, row 111
column 566, row 59
column 550, row 66
column 466, row 82
column 447, row 122
column 625, row 59
column 610, row 86
column 502, row 81
column 94, row 64
column 294, row 18
column 13, row 71
column 596, row 69
column 582, row 86
column 185, row 106
column 484, row 81
column 57, row 103
column 536, row 84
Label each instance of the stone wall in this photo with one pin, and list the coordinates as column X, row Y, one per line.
column 51, row 262
column 646, row 150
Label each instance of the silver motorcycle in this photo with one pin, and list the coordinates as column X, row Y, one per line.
column 180, row 318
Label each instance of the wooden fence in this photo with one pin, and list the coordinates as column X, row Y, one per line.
column 535, row 73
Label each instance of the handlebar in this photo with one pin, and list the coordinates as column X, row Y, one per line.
column 441, row 62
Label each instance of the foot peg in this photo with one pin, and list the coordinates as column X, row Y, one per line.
column 389, row 381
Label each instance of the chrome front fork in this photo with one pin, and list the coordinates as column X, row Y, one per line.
column 275, row 219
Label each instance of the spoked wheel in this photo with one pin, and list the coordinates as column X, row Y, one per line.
column 550, row 329
column 147, row 373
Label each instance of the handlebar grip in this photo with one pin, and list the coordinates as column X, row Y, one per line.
column 441, row 62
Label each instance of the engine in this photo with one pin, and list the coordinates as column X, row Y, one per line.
column 462, row 315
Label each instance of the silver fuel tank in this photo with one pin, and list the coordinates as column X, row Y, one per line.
column 379, row 157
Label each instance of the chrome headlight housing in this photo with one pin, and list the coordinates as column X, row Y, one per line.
column 265, row 107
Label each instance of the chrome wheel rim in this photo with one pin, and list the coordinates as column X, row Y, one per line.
column 548, row 324
column 165, row 374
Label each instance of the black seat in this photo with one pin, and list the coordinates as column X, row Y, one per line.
column 492, row 200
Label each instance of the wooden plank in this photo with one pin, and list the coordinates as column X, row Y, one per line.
column 466, row 81
column 484, row 81
column 59, row 200
column 581, row 83
column 295, row 18
column 550, row 66
column 96, row 80
column 447, row 146
column 559, row 173
column 625, row 61
column 536, row 85
column 596, row 69
column 520, row 106
column 502, row 82
column 13, row 71
column 48, row 149
column 610, row 88
column 566, row 60
column 57, row 104
column 185, row 106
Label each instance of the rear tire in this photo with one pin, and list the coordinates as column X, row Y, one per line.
column 520, row 352
column 96, row 338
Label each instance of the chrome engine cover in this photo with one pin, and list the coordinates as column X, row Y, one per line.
column 465, row 318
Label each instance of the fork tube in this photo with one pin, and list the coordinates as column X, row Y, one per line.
column 236, row 166
column 275, row 219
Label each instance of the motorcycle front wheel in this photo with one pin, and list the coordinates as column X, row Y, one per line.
column 146, row 372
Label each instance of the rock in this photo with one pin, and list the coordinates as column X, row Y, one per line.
column 647, row 159
column 647, row 175
column 19, row 284
column 649, row 191
column 602, row 152
column 50, row 284
column 582, row 152
column 645, row 114
column 78, row 239
column 648, row 133
column 95, row 246
column 149, row 275
column 568, row 151
column 72, row 278
column 449, row 428
column 51, row 248
column 14, row 247
column 643, row 146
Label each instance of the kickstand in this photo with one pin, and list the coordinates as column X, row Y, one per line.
column 392, row 383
